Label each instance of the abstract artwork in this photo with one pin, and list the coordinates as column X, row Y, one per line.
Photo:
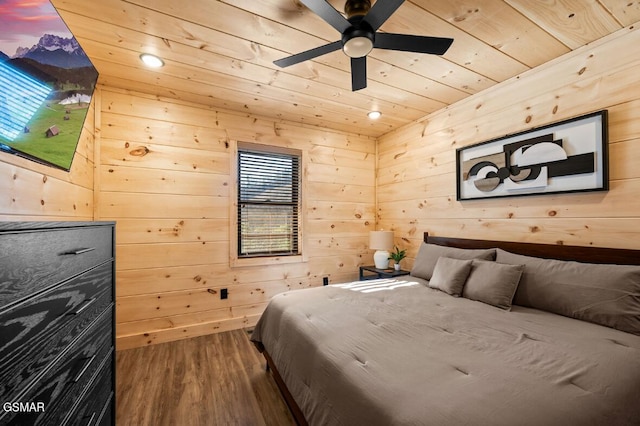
column 568, row 156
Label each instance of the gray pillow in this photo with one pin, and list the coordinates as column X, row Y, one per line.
column 492, row 283
column 603, row 294
column 428, row 255
column 449, row 275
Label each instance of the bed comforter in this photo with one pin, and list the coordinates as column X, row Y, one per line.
column 405, row 354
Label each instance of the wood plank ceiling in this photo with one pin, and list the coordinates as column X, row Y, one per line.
column 219, row 53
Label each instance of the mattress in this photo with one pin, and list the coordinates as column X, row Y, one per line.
column 395, row 352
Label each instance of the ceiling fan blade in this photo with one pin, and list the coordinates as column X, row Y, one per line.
column 328, row 13
column 412, row 43
column 309, row 54
column 381, row 11
column 358, row 73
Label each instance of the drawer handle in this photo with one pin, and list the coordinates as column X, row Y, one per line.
column 79, row 251
column 86, row 304
column 84, row 368
column 90, row 422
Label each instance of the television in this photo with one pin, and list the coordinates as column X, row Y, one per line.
column 46, row 84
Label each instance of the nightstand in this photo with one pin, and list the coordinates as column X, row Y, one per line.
column 380, row 273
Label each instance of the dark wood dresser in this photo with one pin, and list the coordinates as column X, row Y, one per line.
column 57, row 323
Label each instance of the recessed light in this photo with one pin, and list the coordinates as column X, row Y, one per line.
column 374, row 115
column 151, row 60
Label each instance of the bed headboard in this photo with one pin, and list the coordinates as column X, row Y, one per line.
column 550, row 251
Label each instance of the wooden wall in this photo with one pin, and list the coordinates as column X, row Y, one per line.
column 162, row 172
column 416, row 181
column 31, row 191
column 164, row 177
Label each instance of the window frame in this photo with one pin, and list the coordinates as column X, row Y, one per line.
column 240, row 261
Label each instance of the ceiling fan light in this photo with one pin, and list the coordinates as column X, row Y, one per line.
column 357, row 47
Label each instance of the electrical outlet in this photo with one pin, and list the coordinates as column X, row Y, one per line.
column 223, row 293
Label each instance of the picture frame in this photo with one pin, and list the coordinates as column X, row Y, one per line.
column 562, row 157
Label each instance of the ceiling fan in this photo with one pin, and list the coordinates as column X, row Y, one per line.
column 360, row 36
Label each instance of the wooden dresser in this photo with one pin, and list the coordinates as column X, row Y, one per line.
column 57, row 323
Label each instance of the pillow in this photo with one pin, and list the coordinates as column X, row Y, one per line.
column 449, row 275
column 603, row 294
column 428, row 255
column 492, row 283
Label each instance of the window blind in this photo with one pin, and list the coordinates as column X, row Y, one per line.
column 268, row 203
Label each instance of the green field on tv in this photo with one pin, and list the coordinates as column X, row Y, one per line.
column 58, row 149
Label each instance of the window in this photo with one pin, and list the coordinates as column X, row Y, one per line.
column 268, row 203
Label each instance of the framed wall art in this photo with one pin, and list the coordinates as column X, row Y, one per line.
column 568, row 156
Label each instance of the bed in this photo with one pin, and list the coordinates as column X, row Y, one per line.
column 481, row 333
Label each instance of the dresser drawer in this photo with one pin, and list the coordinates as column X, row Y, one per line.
column 68, row 377
column 95, row 407
column 32, row 260
column 34, row 332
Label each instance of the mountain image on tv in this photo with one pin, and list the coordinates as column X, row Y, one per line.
column 45, row 90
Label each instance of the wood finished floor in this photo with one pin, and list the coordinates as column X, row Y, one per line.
column 218, row 379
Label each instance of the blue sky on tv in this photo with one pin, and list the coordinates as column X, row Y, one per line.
column 23, row 23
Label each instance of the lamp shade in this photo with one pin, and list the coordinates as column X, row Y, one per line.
column 381, row 240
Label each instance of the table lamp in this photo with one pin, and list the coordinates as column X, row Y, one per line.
column 382, row 241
